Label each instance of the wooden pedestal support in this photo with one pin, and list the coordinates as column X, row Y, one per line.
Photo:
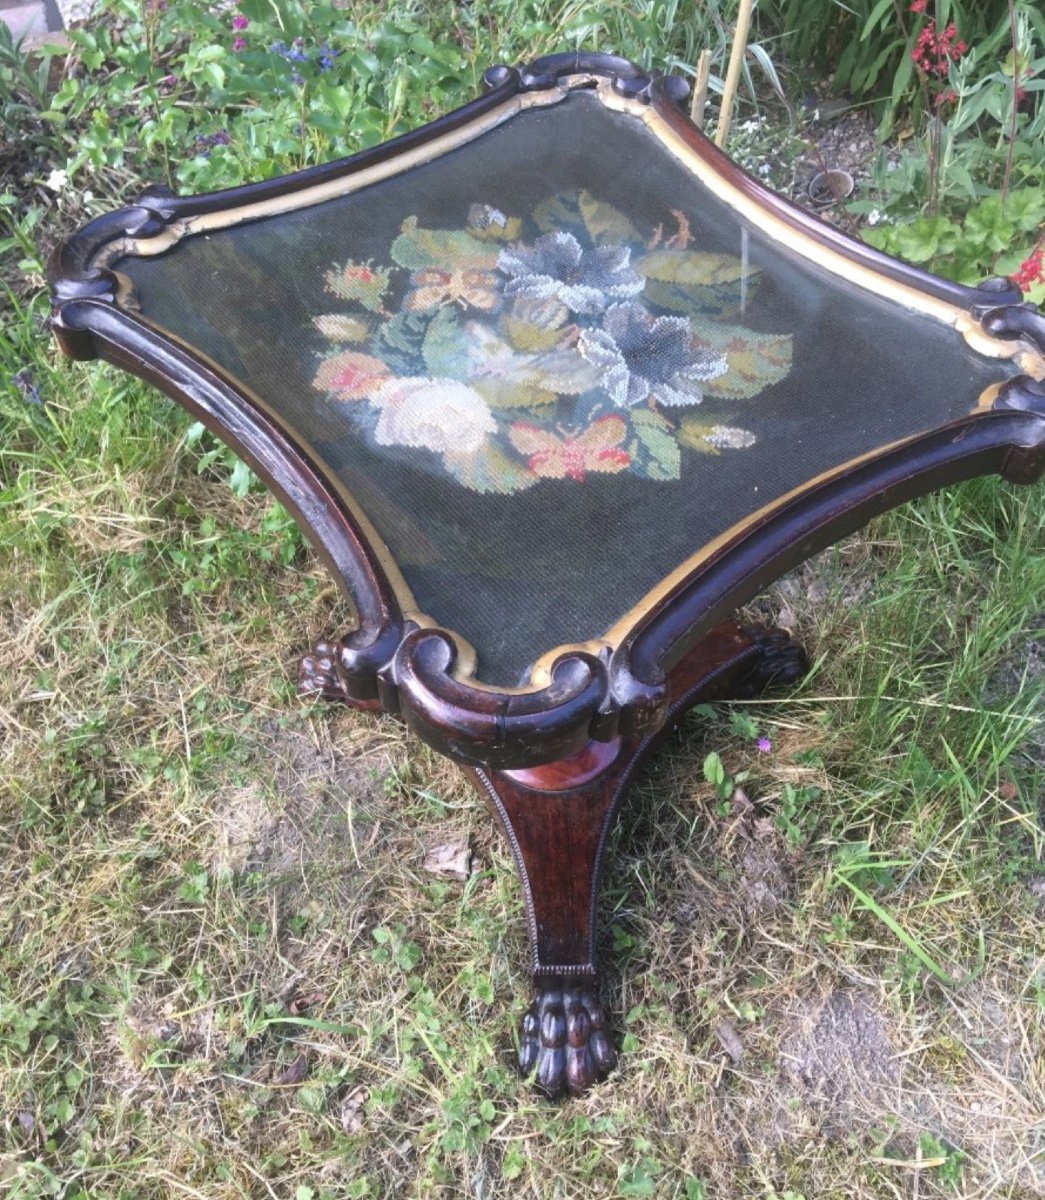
column 556, row 818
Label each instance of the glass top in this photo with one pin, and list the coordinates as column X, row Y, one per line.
column 551, row 365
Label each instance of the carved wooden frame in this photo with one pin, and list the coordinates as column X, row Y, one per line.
column 553, row 759
column 615, row 687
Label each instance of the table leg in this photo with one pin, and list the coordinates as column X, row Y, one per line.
column 556, row 818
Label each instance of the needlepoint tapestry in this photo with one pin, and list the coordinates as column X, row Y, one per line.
column 550, row 365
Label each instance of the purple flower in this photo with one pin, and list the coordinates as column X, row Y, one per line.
column 239, row 44
column 765, row 746
column 290, row 53
column 640, row 356
column 239, row 21
column 207, row 141
column 556, row 265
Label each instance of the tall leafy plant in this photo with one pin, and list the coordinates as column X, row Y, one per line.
column 966, row 195
column 864, row 46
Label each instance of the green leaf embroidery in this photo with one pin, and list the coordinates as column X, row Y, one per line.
column 443, row 348
column 694, row 432
column 441, row 249
column 654, row 448
column 489, row 224
column 360, row 282
column 581, row 210
column 507, row 379
column 489, row 470
column 400, row 343
column 692, row 281
column 756, row 360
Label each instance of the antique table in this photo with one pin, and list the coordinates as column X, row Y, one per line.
column 553, row 386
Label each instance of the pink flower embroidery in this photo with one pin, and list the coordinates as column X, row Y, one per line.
column 350, row 376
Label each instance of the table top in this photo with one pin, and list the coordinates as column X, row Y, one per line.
column 556, row 361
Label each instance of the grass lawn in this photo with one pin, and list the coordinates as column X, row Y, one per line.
column 225, row 973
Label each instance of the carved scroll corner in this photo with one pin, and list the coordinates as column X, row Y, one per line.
column 641, row 705
column 92, row 283
column 1012, row 321
column 73, row 300
column 501, row 76
column 442, row 700
column 996, row 291
column 625, row 77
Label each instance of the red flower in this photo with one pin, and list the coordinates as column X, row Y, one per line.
column 919, row 5
column 1031, row 270
column 934, row 52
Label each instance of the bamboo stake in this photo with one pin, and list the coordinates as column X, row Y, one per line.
column 736, row 60
column 700, row 88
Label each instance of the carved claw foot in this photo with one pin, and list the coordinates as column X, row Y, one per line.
column 781, row 662
column 321, row 674
column 563, row 1038
column 318, row 673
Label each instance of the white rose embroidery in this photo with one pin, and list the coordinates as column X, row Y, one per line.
column 434, row 414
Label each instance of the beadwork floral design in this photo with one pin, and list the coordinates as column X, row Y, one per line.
column 585, row 348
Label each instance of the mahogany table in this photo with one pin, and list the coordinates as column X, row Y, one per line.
column 553, row 386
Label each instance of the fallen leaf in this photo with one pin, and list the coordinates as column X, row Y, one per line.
column 730, row 1040
column 299, row 1003
column 741, row 802
column 453, row 860
column 295, row 1073
column 351, row 1109
column 786, row 619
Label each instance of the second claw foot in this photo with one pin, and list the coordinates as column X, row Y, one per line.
column 564, row 1041
column 322, row 674
column 318, row 674
column 781, row 662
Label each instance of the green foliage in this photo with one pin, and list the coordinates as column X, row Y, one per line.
column 993, row 237
column 715, row 774
column 949, row 1162
column 964, row 197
